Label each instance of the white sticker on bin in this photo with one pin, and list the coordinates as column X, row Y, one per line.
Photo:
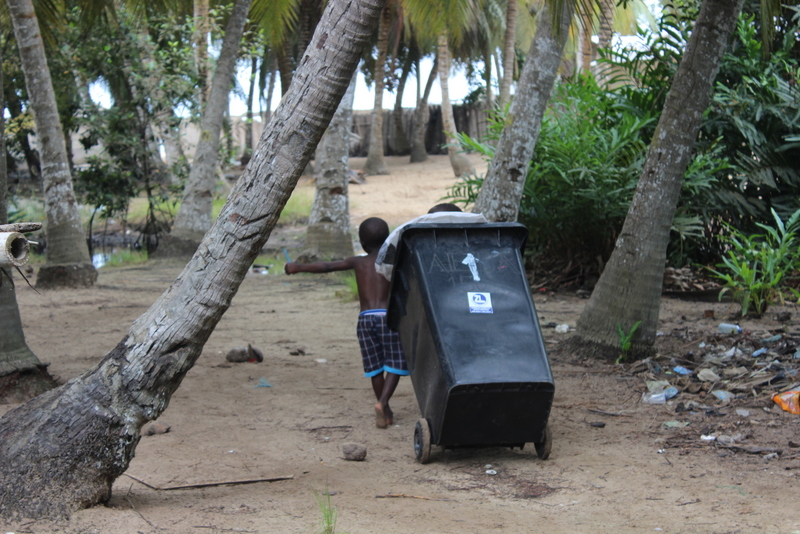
column 472, row 262
column 480, row 302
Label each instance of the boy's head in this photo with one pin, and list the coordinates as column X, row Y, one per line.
column 372, row 233
column 444, row 207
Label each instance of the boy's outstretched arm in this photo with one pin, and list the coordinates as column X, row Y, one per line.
column 319, row 267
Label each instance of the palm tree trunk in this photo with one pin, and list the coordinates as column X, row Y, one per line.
column 401, row 146
column 501, row 193
column 201, row 24
column 509, row 54
column 63, row 450
column 22, row 375
column 194, row 216
column 419, row 151
column 375, row 162
column 629, row 289
column 68, row 261
column 458, row 160
column 248, row 123
column 329, row 222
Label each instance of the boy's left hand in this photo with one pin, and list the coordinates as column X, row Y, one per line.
column 290, row 268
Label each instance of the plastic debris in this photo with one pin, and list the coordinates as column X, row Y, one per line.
column 562, row 328
column 789, row 401
column 759, row 352
column 263, row 384
column 682, row 370
column 728, row 328
column 742, row 412
column 675, row 424
column 709, row 437
column 724, row 396
column 707, row 375
column 491, row 472
column 658, row 392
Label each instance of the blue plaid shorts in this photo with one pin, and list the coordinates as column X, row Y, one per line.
column 380, row 347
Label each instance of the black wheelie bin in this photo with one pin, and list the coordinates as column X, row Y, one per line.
column 462, row 306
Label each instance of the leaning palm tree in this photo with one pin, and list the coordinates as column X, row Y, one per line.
column 67, row 253
column 63, row 450
column 501, row 193
column 629, row 289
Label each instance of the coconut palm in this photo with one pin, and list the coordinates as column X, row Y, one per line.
column 63, row 450
column 194, row 215
column 501, row 193
column 375, row 163
column 22, row 375
column 68, row 262
column 328, row 232
column 630, row 286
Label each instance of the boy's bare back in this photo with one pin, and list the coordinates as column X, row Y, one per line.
column 373, row 288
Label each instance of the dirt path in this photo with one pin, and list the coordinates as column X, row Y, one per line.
column 289, row 416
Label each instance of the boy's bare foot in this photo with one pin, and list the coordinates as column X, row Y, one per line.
column 389, row 416
column 380, row 416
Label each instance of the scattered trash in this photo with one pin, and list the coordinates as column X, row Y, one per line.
column 708, row 314
column 789, row 401
column 675, row 424
column 759, row 352
column 320, row 360
column 491, row 472
column 597, row 424
column 682, row 370
column 562, row 328
column 658, row 392
column 771, row 456
column 709, row 437
column 263, row 384
column 724, row 396
column 245, row 354
column 707, row 375
column 742, row 412
column 728, row 328
column 772, row 339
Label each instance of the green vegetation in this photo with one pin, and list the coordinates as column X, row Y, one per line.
column 756, row 266
column 625, row 340
column 328, row 511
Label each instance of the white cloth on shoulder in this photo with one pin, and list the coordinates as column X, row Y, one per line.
column 384, row 263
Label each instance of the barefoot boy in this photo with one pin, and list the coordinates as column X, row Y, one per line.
column 384, row 361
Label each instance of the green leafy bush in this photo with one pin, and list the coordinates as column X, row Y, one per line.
column 755, row 266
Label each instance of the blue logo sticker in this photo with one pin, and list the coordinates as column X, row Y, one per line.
column 480, row 302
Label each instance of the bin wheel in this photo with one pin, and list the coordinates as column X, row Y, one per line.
column 543, row 448
column 422, row 441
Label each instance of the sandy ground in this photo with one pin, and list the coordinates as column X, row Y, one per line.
column 287, row 418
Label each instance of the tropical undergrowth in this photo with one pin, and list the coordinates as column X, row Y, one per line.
column 594, row 139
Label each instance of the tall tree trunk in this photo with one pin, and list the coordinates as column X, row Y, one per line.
column 284, row 66
column 194, row 216
column 248, row 123
column 401, row 146
column 329, row 222
column 63, row 450
column 586, row 48
column 375, row 162
column 419, row 152
column 630, row 287
column 461, row 164
column 501, row 193
column 201, row 25
column 68, row 262
column 22, row 375
column 509, row 54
